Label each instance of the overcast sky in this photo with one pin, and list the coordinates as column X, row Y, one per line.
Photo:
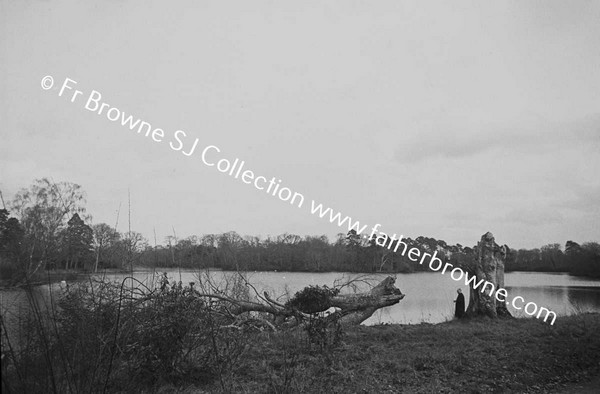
column 443, row 119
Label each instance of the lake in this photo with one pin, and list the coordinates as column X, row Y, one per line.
column 429, row 296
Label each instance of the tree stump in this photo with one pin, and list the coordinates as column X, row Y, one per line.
column 489, row 266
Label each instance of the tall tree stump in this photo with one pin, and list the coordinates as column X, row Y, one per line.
column 489, row 266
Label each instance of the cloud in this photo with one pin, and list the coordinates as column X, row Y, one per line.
column 533, row 135
column 534, row 217
column 586, row 199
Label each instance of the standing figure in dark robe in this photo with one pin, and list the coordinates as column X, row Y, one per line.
column 459, row 310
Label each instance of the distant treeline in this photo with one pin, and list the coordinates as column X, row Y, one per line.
column 289, row 252
column 48, row 231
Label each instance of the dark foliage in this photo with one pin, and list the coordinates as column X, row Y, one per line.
column 105, row 337
column 313, row 299
column 324, row 334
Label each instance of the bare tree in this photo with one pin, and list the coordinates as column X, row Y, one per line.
column 104, row 237
column 44, row 209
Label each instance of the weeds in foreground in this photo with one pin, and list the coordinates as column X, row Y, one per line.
column 105, row 337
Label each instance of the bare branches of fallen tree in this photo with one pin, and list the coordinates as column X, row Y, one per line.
column 235, row 303
column 350, row 309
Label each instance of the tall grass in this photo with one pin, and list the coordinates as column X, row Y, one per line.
column 99, row 336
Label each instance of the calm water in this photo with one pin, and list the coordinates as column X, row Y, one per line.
column 428, row 298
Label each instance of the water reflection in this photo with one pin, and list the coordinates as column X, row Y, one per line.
column 584, row 299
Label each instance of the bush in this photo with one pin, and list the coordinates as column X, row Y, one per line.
column 111, row 337
column 313, row 299
column 324, row 333
column 7, row 271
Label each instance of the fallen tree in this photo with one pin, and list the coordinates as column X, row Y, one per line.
column 312, row 303
column 99, row 335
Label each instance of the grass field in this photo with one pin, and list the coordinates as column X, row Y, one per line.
column 470, row 356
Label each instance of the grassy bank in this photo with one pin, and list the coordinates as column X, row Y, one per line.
column 517, row 355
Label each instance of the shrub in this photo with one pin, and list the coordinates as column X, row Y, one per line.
column 313, row 299
column 324, row 333
column 110, row 337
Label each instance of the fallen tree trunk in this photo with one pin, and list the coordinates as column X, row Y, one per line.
column 351, row 309
column 357, row 308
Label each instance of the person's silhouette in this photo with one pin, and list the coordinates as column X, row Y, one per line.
column 459, row 310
